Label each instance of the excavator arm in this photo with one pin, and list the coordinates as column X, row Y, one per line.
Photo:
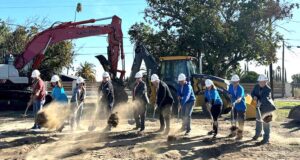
column 141, row 53
column 36, row 48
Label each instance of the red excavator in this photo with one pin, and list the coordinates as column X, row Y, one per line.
column 15, row 90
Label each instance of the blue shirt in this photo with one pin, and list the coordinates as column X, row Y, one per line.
column 59, row 94
column 212, row 96
column 185, row 93
column 235, row 95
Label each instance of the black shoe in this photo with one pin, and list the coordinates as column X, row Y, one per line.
column 187, row 133
column 264, row 141
column 255, row 138
column 211, row 132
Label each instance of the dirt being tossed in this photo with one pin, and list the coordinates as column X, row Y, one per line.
column 113, row 120
column 41, row 119
column 172, row 138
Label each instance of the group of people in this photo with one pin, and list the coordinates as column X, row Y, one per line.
column 261, row 93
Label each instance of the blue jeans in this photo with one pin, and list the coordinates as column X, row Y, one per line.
column 187, row 111
column 37, row 106
column 79, row 115
column 262, row 125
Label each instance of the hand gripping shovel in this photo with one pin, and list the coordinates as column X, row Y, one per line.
column 153, row 117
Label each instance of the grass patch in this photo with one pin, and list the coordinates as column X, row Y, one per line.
column 283, row 109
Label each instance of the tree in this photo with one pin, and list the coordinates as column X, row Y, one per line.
column 14, row 40
column 225, row 32
column 86, row 71
column 249, row 77
column 296, row 78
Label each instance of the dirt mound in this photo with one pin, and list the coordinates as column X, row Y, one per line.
column 113, row 120
column 295, row 113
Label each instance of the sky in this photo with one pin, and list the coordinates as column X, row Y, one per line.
column 130, row 11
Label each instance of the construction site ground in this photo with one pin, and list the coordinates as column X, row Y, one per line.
column 18, row 142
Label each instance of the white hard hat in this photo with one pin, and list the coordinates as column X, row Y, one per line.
column 105, row 75
column 138, row 75
column 154, row 78
column 208, row 83
column 55, row 78
column 79, row 80
column 35, row 73
column 235, row 78
column 262, row 77
column 181, row 77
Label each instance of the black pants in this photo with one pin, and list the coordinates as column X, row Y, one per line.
column 165, row 116
column 139, row 115
column 216, row 110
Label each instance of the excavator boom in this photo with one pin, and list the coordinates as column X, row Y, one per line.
column 36, row 48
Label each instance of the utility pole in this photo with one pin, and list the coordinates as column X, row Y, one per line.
column 77, row 10
column 271, row 60
column 282, row 77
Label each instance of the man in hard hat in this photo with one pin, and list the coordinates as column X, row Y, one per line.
column 77, row 100
column 38, row 95
column 237, row 95
column 139, row 95
column 106, row 90
column 164, row 102
column 265, row 106
column 186, row 99
column 214, row 105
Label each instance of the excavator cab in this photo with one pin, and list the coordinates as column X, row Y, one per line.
column 172, row 66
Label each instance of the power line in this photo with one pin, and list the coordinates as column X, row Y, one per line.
column 79, row 54
column 71, row 6
column 98, row 46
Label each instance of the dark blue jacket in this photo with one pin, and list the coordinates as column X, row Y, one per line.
column 264, row 97
column 234, row 96
column 212, row 96
column 186, row 94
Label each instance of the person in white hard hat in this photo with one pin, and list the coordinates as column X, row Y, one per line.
column 164, row 102
column 58, row 95
column 186, row 98
column 214, row 104
column 237, row 95
column 58, row 91
column 38, row 94
column 139, row 95
column 77, row 100
column 106, row 91
column 265, row 106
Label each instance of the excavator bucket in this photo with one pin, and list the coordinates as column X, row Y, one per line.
column 119, row 88
column 104, row 62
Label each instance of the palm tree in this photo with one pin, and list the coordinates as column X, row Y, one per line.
column 86, row 71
